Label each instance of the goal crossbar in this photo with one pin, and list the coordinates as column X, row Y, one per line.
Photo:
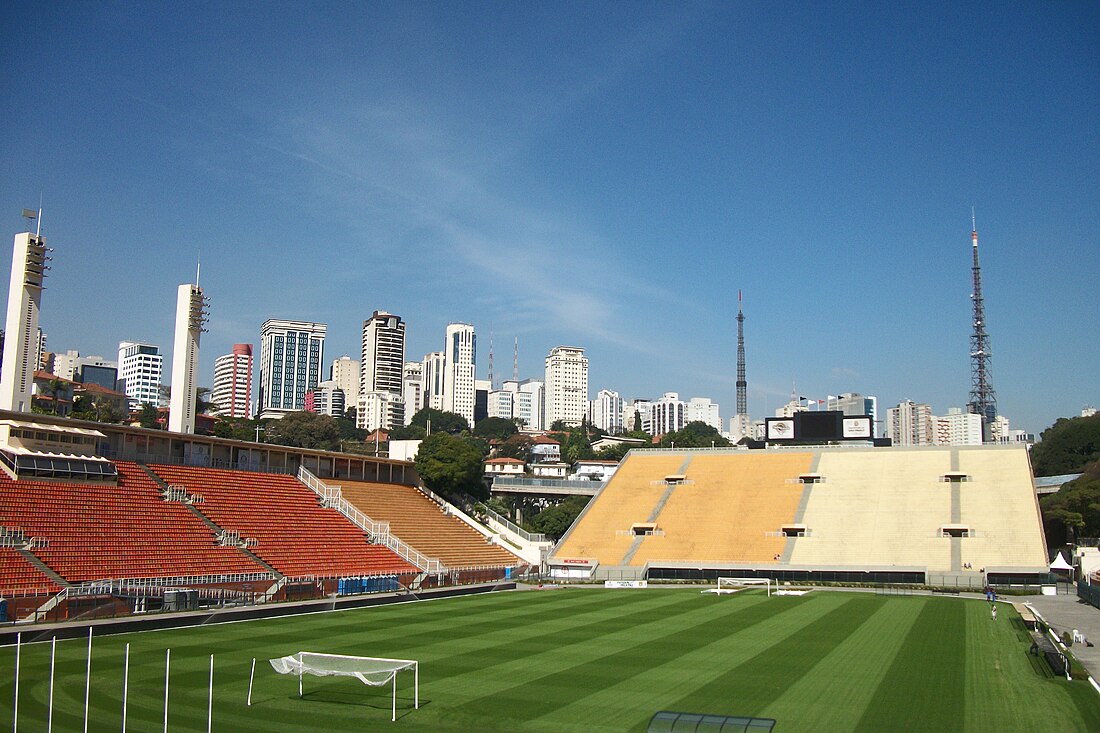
column 373, row 671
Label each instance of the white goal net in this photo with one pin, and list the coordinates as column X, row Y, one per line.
column 733, row 585
column 373, row 671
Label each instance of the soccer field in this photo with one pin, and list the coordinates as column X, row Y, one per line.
column 580, row 660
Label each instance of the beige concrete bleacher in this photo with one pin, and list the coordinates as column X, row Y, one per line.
column 420, row 522
column 999, row 502
column 629, row 498
column 880, row 507
column 732, row 512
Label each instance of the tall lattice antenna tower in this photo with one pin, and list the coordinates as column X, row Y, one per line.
column 515, row 361
column 983, row 400
column 742, row 385
column 491, row 385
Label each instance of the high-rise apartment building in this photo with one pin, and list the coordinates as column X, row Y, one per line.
column 139, row 372
column 412, row 386
column 500, row 404
column 701, row 409
column 431, row 376
column 460, row 363
column 911, row 423
column 191, row 316
column 23, row 343
column 958, row 428
column 638, row 415
column 607, row 411
column 232, row 393
column 291, row 353
column 346, row 373
column 855, row 404
column 528, row 402
column 669, row 414
column 566, row 385
column 326, row 399
column 381, row 372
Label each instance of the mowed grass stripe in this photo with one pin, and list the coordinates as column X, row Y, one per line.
column 1000, row 683
column 835, row 692
column 923, row 688
column 672, row 667
column 557, row 656
column 749, row 687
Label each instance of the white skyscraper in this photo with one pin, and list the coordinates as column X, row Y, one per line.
column 460, row 361
column 528, row 402
column 21, row 350
column 232, row 393
column 566, row 385
column 381, row 373
column 501, row 403
column 431, row 376
column 291, row 353
column 958, row 428
column 190, row 319
column 607, row 411
column 139, row 372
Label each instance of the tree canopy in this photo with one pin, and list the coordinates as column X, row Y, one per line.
column 696, row 434
column 304, row 430
column 1075, row 510
column 556, row 519
column 495, row 427
column 441, row 422
column 1067, row 446
column 451, row 466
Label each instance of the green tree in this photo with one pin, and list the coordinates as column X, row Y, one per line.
column 304, row 430
column 495, row 427
column 614, row 452
column 451, row 466
column 1067, row 446
column 147, row 415
column 441, row 422
column 1075, row 510
column 95, row 407
column 556, row 519
column 696, row 434
column 517, row 446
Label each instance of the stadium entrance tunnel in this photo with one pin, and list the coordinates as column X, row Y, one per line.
column 668, row 721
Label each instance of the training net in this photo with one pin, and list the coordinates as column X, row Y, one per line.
column 373, row 671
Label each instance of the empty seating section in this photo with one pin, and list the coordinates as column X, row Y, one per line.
column 18, row 575
column 1000, row 504
column 630, row 497
column 880, row 507
column 732, row 512
column 420, row 522
column 295, row 534
column 102, row 531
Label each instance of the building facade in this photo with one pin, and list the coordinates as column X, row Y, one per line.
column 326, row 399
column 566, row 386
column 607, row 412
column 412, row 385
column 191, row 316
column 23, row 343
column 701, row 409
column 460, row 363
column 345, row 372
column 291, row 354
column 232, row 393
column 669, row 414
column 911, row 423
column 381, row 373
column 139, row 373
column 959, row 428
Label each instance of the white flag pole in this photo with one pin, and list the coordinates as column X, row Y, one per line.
column 125, row 685
column 251, row 675
column 49, row 714
column 88, row 680
column 167, row 665
column 210, row 698
column 18, row 648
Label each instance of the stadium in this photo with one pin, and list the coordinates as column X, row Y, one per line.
column 162, row 581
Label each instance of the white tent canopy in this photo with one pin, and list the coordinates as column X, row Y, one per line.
column 1060, row 563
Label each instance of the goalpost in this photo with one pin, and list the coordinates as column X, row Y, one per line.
column 733, row 585
column 373, row 671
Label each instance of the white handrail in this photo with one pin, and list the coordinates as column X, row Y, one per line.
column 378, row 531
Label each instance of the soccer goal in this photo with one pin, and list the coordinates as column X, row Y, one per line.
column 733, row 585
column 373, row 671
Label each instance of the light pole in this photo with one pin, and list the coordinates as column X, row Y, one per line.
column 258, row 431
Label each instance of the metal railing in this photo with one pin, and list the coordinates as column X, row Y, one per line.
column 378, row 531
column 549, row 483
column 512, row 526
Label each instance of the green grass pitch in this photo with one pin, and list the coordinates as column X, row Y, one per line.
column 583, row 660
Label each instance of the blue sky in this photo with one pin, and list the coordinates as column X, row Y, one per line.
column 599, row 175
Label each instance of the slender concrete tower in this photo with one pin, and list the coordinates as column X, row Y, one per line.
column 28, row 270
column 983, row 400
column 191, row 316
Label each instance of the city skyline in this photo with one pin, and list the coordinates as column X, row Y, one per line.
column 595, row 175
